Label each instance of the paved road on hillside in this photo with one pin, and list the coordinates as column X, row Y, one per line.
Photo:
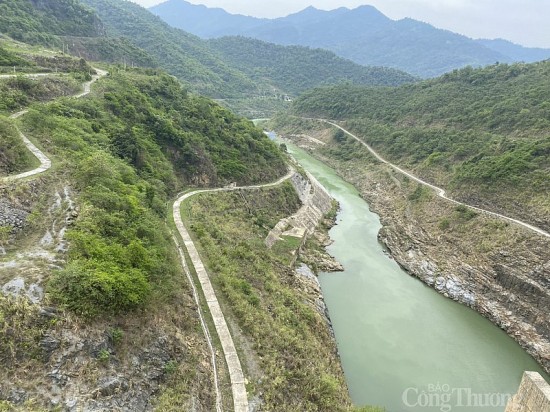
column 236, row 376
column 45, row 162
column 440, row 192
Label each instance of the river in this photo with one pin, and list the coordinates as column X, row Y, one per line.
column 404, row 346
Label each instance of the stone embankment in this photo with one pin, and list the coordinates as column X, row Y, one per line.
column 316, row 203
column 12, row 216
column 533, row 395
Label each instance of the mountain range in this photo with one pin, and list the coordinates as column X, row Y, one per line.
column 363, row 35
column 124, row 32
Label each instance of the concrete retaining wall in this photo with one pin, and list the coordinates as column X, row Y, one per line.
column 533, row 395
column 316, row 202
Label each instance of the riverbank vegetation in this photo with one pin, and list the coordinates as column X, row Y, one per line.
column 483, row 133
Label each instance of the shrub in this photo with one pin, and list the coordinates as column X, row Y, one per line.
column 90, row 288
column 444, row 224
column 465, row 213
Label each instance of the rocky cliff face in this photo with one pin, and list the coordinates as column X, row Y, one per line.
column 497, row 268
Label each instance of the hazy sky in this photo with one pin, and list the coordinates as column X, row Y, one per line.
column 522, row 21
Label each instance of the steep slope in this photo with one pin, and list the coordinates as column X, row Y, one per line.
column 481, row 133
column 14, row 156
column 225, row 69
column 295, row 69
column 38, row 216
column 92, row 288
column 89, row 240
column 134, row 37
column 363, row 35
column 68, row 25
column 180, row 53
column 36, row 21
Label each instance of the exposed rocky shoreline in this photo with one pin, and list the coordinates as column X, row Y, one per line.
column 498, row 269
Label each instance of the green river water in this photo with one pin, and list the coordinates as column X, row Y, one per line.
column 403, row 345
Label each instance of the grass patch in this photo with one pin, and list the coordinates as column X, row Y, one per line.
column 287, row 247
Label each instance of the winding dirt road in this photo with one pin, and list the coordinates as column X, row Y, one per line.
column 236, row 376
column 439, row 191
column 45, row 162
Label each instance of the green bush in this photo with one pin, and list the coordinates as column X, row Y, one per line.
column 90, row 288
column 444, row 224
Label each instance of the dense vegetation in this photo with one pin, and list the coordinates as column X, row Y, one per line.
column 20, row 91
column 14, row 156
column 299, row 372
column 41, row 21
column 295, row 69
column 117, row 50
column 127, row 151
column 8, row 58
column 230, row 69
column 477, row 130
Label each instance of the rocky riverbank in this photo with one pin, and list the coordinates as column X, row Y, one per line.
column 497, row 268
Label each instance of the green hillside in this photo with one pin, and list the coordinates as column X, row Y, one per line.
column 42, row 21
column 123, row 152
column 182, row 54
column 14, row 156
column 240, row 72
column 295, row 69
column 69, row 26
column 128, row 150
column 482, row 133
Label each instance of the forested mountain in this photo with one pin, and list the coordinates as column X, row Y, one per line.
column 363, row 35
column 222, row 73
column 69, row 26
column 515, row 51
column 182, row 54
column 295, row 69
column 484, row 133
column 126, row 33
